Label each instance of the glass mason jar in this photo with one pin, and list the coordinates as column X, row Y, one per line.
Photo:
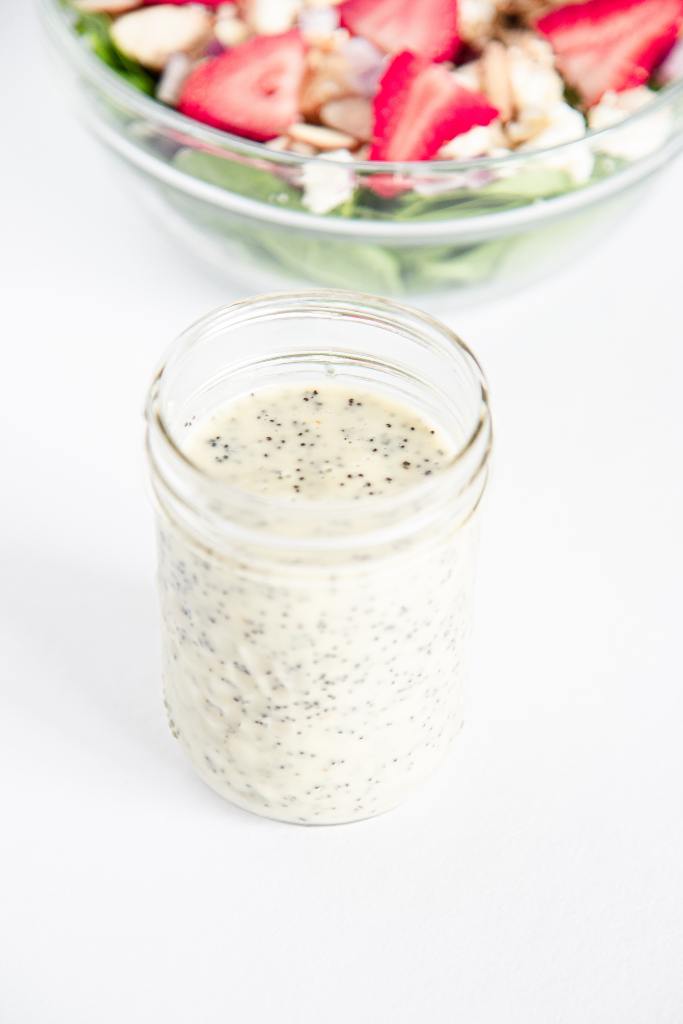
column 313, row 651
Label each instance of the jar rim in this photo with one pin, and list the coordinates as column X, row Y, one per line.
column 451, row 480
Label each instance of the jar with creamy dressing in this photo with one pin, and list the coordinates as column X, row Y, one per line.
column 318, row 460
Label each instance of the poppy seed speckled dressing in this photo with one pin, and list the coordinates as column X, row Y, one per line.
column 315, row 702
column 321, row 443
column 318, row 460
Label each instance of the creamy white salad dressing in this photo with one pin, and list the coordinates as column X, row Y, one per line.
column 316, row 697
column 318, row 443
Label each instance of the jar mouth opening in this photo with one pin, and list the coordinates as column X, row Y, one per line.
column 470, row 455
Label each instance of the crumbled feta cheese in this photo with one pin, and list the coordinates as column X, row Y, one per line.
column 534, row 46
column 529, row 124
column 564, row 124
column 633, row 140
column 328, row 185
column 535, row 85
column 318, row 23
column 482, row 140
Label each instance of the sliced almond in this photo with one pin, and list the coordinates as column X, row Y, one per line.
column 333, row 42
column 279, row 144
column 107, row 6
column 526, row 128
column 351, row 115
column 170, row 84
column 321, row 138
column 533, row 45
column 270, row 17
column 231, row 31
column 479, row 141
column 326, row 79
column 496, row 79
column 475, row 21
column 302, row 148
column 152, row 34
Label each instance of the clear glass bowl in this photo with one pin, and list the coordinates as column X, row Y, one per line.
column 466, row 227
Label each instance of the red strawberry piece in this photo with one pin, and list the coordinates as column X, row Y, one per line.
column 603, row 45
column 419, row 106
column 426, row 27
column 252, row 90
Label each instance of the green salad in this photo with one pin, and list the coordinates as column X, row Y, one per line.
column 337, row 96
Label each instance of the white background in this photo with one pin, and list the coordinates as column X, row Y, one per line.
column 539, row 878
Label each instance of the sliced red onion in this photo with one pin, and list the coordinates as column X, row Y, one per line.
column 474, row 179
column 442, row 183
column 365, row 65
column 479, row 177
column 214, row 48
column 172, row 77
column 672, row 68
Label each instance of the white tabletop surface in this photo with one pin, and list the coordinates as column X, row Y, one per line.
column 539, row 878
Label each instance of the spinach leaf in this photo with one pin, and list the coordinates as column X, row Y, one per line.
column 605, row 165
column 531, row 183
column 235, row 176
column 504, row 194
column 334, row 261
column 95, row 30
column 445, row 265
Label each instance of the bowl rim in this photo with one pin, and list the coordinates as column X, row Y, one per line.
column 452, row 230
column 57, row 16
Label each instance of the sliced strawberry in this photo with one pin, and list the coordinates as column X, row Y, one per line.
column 419, row 106
column 252, row 90
column 603, row 45
column 426, row 27
column 177, row 3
